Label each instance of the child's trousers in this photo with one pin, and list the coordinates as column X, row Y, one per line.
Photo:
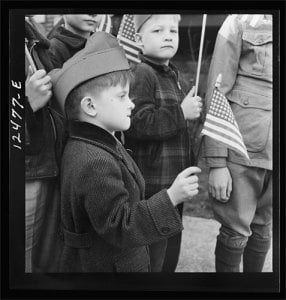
column 246, row 220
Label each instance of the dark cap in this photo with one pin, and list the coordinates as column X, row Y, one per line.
column 139, row 20
column 101, row 55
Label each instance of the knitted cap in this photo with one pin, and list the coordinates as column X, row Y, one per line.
column 139, row 20
column 101, row 55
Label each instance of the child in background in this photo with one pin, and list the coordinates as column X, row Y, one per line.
column 71, row 37
column 44, row 131
column 158, row 136
column 107, row 223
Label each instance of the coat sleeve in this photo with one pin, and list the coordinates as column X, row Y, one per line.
column 225, row 61
column 119, row 220
column 150, row 120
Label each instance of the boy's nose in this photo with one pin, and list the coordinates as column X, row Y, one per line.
column 132, row 105
column 168, row 37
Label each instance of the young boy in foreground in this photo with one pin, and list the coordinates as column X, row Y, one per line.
column 107, row 223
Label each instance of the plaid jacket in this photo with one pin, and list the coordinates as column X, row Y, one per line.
column 158, row 136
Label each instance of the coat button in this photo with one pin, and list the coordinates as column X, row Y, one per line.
column 245, row 101
column 165, row 230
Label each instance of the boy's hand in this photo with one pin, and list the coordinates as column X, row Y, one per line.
column 192, row 106
column 220, row 184
column 185, row 186
column 38, row 89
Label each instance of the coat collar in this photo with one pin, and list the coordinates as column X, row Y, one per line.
column 95, row 135
column 72, row 40
column 91, row 133
column 161, row 68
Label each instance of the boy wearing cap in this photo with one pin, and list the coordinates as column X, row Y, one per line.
column 107, row 224
column 158, row 136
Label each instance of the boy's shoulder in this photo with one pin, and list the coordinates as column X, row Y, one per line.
column 145, row 72
column 143, row 67
column 86, row 150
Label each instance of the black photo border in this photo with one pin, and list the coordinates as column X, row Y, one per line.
column 19, row 285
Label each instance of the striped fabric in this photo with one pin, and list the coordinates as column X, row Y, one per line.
column 220, row 124
column 126, row 38
column 35, row 205
column 105, row 24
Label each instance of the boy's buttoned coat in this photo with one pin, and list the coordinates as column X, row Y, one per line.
column 107, row 227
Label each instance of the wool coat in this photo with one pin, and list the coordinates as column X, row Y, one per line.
column 107, row 223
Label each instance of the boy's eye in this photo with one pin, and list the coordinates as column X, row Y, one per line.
column 156, row 30
column 174, row 31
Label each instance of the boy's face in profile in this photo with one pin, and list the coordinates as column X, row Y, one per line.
column 113, row 108
column 159, row 37
column 81, row 23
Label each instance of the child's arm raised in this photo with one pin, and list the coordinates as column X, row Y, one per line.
column 117, row 212
column 192, row 105
column 185, row 186
column 38, row 89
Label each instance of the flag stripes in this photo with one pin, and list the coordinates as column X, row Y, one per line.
column 220, row 124
column 105, row 24
column 126, row 38
column 225, row 128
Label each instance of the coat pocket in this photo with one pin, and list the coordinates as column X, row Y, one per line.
column 133, row 260
column 253, row 114
column 256, row 58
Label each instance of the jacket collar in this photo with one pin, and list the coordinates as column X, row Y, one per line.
column 95, row 135
column 72, row 40
column 92, row 133
column 161, row 68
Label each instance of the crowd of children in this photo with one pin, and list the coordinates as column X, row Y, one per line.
column 94, row 204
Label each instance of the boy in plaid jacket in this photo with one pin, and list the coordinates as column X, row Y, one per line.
column 158, row 136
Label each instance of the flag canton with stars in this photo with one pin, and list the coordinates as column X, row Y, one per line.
column 128, row 31
column 220, row 107
column 126, row 38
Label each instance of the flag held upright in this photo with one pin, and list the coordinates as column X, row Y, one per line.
column 220, row 123
column 126, row 38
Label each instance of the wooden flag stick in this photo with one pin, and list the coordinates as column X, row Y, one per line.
column 30, row 60
column 200, row 53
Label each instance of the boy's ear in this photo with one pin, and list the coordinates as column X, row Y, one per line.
column 138, row 39
column 88, row 106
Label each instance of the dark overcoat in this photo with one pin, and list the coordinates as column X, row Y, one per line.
column 107, row 223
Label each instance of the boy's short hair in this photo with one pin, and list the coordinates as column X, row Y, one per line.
column 140, row 20
column 94, row 86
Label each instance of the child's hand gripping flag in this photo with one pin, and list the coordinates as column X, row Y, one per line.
column 220, row 123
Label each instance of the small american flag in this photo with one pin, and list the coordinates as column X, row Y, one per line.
column 105, row 24
column 126, row 38
column 220, row 124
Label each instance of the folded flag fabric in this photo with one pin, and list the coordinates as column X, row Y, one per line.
column 126, row 38
column 220, row 124
column 105, row 24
